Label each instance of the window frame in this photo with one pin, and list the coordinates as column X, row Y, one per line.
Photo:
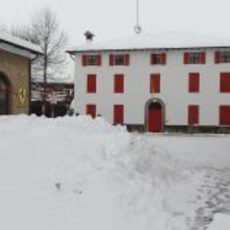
column 118, row 114
column 158, row 58
column 193, row 115
column 195, row 58
column 91, row 83
column 222, row 117
column 121, row 59
column 118, row 83
column 91, row 59
column 194, row 83
column 225, row 82
column 155, row 83
column 222, row 57
column 91, row 109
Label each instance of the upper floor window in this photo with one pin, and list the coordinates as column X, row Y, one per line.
column 158, row 58
column 155, row 83
column 119, row 59
column 91, row 83
column 91, row 60
column 222, row 56
column 194, row 83
column 225, row 82
column 118, row 83
column 194, row 58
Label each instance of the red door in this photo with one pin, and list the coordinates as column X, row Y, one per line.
column 155, row 118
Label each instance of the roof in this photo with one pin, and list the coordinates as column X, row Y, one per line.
column 164, row 40
column 20, row 43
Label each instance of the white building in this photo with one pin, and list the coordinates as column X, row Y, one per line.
column 156, row 82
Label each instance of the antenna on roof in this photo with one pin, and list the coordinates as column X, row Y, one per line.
column 137, row 27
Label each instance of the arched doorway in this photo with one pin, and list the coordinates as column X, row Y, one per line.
column 154, row 116
column 4, row 95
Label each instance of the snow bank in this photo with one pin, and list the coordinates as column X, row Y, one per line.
column 79, row 173
column 221, row 222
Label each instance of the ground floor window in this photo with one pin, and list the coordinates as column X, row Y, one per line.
column 118, row 114
column 91, row 110
column 225, row 115
column 193, row 114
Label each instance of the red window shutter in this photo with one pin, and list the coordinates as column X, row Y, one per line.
column 186, row 58
column 163, row 58
column 111, row 59
column 91, row 83
column 152, row 59
column 83, row 60
column 119, row 83
column 98, row 59
column 202, row 57
column 118, row 114
column 91, row 110
column 127, row 59
column 155, row 83
column 193, row 114
column 194, row 82
column 224, row 115
column 225, row 82
column 217, row 57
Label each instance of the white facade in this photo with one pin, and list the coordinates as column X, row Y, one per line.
column 174, row 81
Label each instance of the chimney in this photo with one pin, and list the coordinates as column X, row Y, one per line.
column 89, row 36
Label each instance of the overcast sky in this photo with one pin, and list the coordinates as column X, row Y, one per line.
column 116, row 18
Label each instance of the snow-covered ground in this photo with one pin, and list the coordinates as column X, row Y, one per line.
column 79, row 173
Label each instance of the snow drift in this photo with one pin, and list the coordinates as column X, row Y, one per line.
column 79, row 173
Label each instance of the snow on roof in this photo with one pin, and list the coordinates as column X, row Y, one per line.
column 7, row 38
column 164, row 40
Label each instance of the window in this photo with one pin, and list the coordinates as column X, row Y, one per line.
column 118, row 114
column 225, row 115
column 91, row 60
column 225, row 82
column 91, row 110
column 155, row 83
column 91, row 83
column 158, row 58
column 222, row 57
column 194, row 58
column 119, row 59
column 118, row 83
column 194, row 83
column 193, row 114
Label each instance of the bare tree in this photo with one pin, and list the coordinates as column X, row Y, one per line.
column 45, row 31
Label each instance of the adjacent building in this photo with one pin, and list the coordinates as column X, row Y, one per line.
column 160, row 82
column 56, row 98
column 16, row 56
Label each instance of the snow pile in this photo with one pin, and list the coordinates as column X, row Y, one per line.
column 221, row 222
column 79, row 173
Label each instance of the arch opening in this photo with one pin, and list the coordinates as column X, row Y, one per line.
column 154, row 116
column 4, row 94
